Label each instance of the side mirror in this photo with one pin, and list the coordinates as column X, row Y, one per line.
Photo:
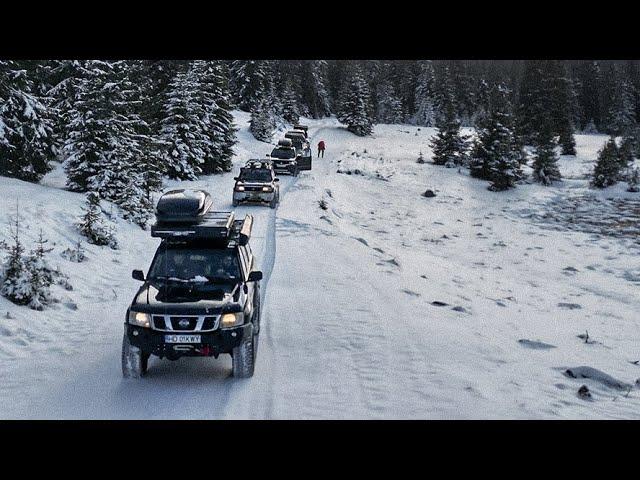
column 255, row 276
column 236, row 178
column 276, row 179
column 268, row 155
column 138, row 275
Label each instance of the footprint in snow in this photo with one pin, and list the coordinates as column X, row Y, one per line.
column 410, row 292
column 570, row 306
column 535, row 344
column 437, row 303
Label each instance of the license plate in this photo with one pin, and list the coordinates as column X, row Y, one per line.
column 182, row 339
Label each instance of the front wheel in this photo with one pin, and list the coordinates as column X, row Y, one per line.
column 234, row 202
column 243, row 358
column 134, row 360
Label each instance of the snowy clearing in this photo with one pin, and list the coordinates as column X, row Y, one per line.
column 378, row 302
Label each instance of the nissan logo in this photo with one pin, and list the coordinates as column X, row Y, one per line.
column 184, row 323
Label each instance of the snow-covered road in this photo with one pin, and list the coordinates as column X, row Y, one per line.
column 355, row 267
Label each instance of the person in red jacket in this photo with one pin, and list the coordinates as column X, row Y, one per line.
column 321, row 148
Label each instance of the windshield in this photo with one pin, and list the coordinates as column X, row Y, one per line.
column 255, row 175
column 195, row 264
column 283, row 153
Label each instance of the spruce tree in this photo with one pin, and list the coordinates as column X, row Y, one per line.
column 289, row 104
column 355, row 108
column 14, row 276
column 634, row 181
column 425, row 96
column 92, row 223
column 621, row 118
column 314, row 94
column 26, row 130
column 184, row 129
column 247, row 82
column 389, row 105
column 496, row 152
column 607, row 168
column 449, row 146
column 108, row 141
column 262, row 123
column 545, row 160
column 214, row 101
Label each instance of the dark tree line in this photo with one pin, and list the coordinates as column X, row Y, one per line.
column 120, row 126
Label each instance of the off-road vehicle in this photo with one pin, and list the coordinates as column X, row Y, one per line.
column 257, row 183
column 302, row 146
column 285, row 158
column 304, row 128
column 201, row 295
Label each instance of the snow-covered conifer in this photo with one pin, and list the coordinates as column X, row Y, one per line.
column 545, row 160
column 262, row 123
column 92, row 224
column 449, row 145
column 425, row 96
column 355, row 108
column 634, row 180
column 607, row 168
column 26, row 131
column 496, row 153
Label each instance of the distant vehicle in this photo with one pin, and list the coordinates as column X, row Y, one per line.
column 285, row 158
column 304, row 128
column 257, row 183
column 201, row 295
column 303, row 148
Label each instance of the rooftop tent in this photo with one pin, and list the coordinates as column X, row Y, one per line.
column 183, row 206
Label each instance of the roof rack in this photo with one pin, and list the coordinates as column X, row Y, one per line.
column 259, row 163
column 221, row 227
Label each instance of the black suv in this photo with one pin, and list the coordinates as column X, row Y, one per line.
column 257, row 183
column 303, row 148
column 201, row 296
column 285, row 158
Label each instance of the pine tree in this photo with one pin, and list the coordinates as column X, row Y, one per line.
column 262, row 123
column 607, row 168
column 314, row 94
column 14, row 276
column 92, row 224
column 40, row 274
column 496, row 153
column 449, row 145
column 545, row 160
column 184, row 129
column 621, row 115
column 355, row 108
column 626, row 151
column 247, row 82
column 108, row 141
column 634, row 181
column 289, row 104
column 26, row 131
column 389, row 105
column 214, row 101
column 425, row 96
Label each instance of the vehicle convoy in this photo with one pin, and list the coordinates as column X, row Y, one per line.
column 303, row 148
column 285, row 158
column 201, row 295
column 257, row 183
column 303, row 128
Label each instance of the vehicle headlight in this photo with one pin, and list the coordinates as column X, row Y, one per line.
column 240, row 188
column 267, row 189
column 231, row 320
column 140, row 319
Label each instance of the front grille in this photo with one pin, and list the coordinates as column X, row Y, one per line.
column 189, row 323
column 252, row 189
column 184, row 323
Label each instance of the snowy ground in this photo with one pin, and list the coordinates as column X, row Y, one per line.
column 385, row 304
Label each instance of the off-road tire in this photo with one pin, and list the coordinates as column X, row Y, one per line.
column 234, row 203
column 273, row 203
column 134, row 361
column 243, row 359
